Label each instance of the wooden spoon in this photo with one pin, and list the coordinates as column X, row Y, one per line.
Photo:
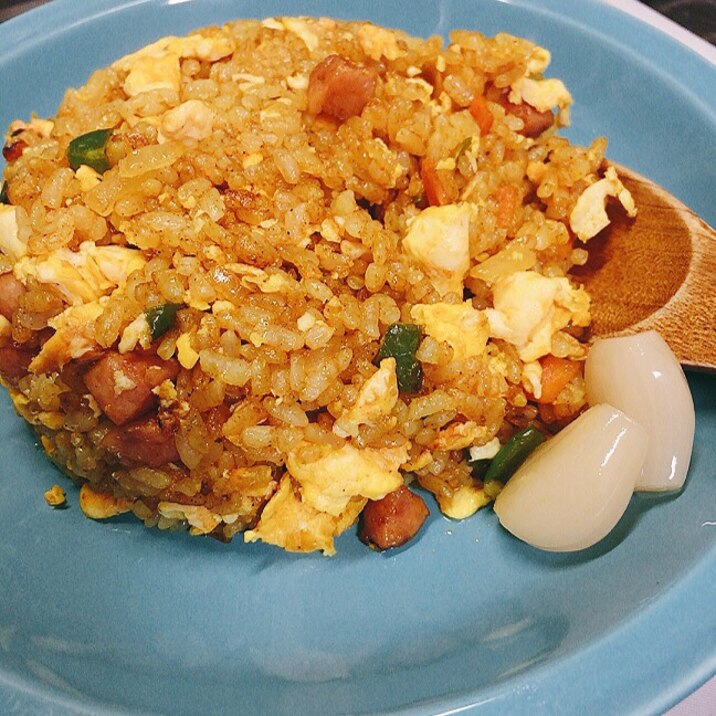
column 657, row 271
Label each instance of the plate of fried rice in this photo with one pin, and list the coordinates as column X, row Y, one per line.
column 286, row 298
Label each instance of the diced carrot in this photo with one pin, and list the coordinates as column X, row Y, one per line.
column 556, row 373
column 434, row 191
column 506, row 197
column 480, row 111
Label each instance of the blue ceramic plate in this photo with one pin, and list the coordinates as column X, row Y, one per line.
column 113, row 618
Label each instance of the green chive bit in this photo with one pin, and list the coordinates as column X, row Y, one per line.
column 464, row 146
column 161, row 318
column 90, row 149
column 401, row 342
column 513, row 453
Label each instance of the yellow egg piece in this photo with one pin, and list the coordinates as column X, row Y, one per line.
column 589, row 216
column 461, row 326
column 438, row 239
column 329, row 477
column 530, row 308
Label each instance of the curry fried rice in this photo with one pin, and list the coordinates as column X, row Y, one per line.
column 262, row 278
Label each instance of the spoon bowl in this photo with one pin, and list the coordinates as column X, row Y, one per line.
column 655, row 272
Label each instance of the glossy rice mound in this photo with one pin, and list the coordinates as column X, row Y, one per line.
column 277, row 194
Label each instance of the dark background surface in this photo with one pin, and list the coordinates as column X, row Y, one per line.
column 699, row 16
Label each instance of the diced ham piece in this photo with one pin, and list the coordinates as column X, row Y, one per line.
column 122, row 383
column 14, row 362
column 11, row 291
column 535, row 122
column 13, row 150
column 339, row 88
column 394, row 520
column 144, row 442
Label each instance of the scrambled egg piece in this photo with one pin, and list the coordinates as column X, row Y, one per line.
column 532, row 378
column 295, row 526
column 156, row 66
column 376, row 399
column 543, row 95
column 378, row 42
column 87, row 177
column 41, row 127
column 330, row 477
column 530, row 308
column 190, row 121
column 73, row 337
column 300, row 28
column 167, row 394
column 186, row 355
column 10, row 242
column 153, row 73
column 272, row 23
column 438, row 239
column 136, row 333
column 463, row 502
column 539, row 61
column 419, row 462
column 589, row 214
column 209, row 48
column 298, row 81
column 102, row 505
column 266, row 283
column 201, row 520
column 256, row 481
column 486, row 451
column 273, row 283
column 461, row 326
column 55, row 496
column 456, row 501
column 51, row 419
column 84, row 275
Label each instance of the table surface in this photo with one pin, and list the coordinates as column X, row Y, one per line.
column 697, row 16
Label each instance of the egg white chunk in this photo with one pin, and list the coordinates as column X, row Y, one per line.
column 589, row 216
column 439, row 239
column 530, row 308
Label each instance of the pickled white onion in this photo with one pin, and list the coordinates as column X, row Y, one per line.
column 641, row 376
column 574, row 488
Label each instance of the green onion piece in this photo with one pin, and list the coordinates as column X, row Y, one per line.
column 479, row 467
column 90, row 149
column 464, row 146
column 401, row 342
column 161, row 318
column 3, row 194
column 513, row 453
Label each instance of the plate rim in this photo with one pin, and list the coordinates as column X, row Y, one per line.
column 696, row 581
